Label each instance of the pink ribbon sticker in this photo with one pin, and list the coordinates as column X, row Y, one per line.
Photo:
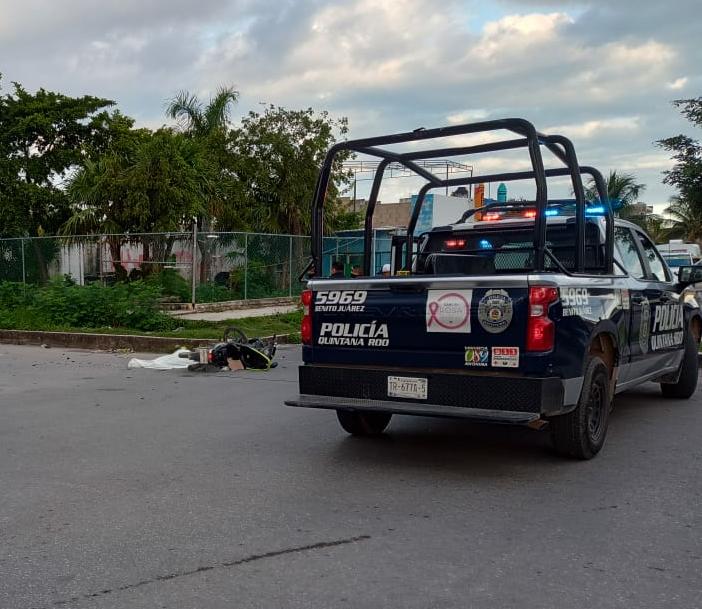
column 449, row 311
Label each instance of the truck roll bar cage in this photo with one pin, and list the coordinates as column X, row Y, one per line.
column 560, row 146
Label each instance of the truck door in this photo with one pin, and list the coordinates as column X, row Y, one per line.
column 666, row 319
column 655, row 331
column 631, row 350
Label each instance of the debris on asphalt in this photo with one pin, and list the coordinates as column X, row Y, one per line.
column 235, row 352
column 172, row 361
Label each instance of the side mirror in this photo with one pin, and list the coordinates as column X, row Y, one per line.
column 688, row 275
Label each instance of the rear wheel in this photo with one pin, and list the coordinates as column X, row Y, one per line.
column 232, row 334
column 363, row 423
column 687, row 382
column 581, row 433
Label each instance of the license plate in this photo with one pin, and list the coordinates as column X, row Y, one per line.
column 407, row 387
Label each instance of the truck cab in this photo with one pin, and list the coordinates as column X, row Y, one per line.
column 536, row 313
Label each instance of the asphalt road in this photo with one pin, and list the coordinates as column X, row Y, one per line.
column 144, row 489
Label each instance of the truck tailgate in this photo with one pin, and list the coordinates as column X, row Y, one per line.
column 475, row 323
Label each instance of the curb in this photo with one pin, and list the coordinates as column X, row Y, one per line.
column 107, row 342
column 228, row 305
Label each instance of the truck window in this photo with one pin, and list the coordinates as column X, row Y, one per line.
column 505, row 249
column 628, row 252
column 655, row 262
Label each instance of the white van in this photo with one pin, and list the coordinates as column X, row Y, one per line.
column 677, row 253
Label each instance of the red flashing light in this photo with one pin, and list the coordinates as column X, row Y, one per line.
column 540, row 329
column 530, row 213
column 306, row 324
column 491, row 217
column 453, row 243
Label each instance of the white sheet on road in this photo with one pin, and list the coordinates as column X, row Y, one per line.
column 165, row 362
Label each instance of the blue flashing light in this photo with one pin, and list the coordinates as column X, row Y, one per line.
column 594, row 211
column 485, row 244
column 551, row 212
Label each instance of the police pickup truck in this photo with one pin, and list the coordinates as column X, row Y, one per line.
column 533, row 313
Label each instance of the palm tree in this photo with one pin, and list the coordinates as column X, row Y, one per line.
column 202, row 120
column 657, row 227
column 686, row 220
column 621, row 187
column 209, row 124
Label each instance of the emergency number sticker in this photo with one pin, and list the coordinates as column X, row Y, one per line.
column 505, row 357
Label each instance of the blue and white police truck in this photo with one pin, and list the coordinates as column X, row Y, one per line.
column 531, row 312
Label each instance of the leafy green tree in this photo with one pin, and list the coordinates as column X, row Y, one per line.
column 278, row 156
column 686, row 174
column 157, row 183
column 43, row 137
column 347, row 219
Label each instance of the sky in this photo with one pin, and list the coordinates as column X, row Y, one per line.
column 601, row 72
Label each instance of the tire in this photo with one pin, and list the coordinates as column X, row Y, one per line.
column 363, row 423
column 232, row 334
column 687, row 381
column 582, row 432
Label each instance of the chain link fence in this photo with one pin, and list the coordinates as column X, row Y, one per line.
column 189, row 267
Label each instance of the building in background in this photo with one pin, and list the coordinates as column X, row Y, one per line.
column 640, row 209
column 392, row 214
column 437, row 210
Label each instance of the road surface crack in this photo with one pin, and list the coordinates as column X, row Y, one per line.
column 220, row 565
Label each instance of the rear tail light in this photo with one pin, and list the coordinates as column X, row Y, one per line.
column 540, row 329
column 306, row 324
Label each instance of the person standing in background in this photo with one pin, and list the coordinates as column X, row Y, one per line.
column 337, row 270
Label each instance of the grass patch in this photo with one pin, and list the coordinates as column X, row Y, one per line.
column 284, row 323
column 121, row 309
column 287, row 323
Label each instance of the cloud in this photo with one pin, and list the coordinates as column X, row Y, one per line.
column 597, row 128
column 678, row 83
column 517, row 34
column 467, row 116
column 601, row 72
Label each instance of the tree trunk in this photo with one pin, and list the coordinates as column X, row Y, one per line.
column 146, row 266
column 42, row 267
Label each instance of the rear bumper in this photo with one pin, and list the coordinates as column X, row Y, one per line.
column 458, row 394
column 424, row 410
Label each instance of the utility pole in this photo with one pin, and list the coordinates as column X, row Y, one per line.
column 193, row 272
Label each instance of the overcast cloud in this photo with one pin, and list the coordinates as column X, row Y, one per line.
column 601, row 72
